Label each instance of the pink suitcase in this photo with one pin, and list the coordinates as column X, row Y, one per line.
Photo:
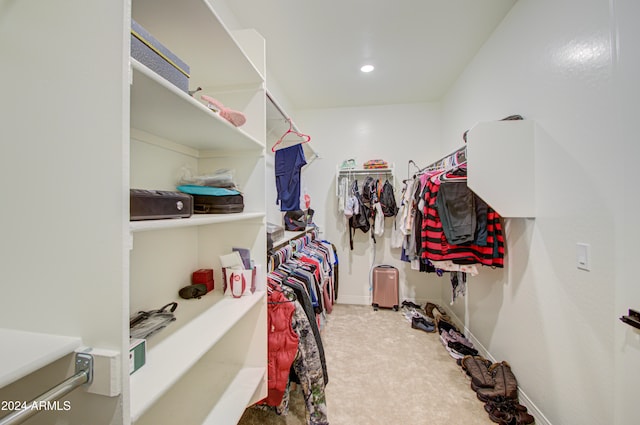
column 385, row 287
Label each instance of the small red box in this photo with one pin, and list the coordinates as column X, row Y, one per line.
column 204, row 276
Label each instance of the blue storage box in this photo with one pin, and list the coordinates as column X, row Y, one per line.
column 151, row 53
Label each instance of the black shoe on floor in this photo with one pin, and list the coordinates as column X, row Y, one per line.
column 462, row 349
column 406, row 303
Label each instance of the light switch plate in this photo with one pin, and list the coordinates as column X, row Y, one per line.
column 583, row 256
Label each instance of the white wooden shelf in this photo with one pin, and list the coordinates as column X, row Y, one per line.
column 194, row 220
column 169, row 360
column 25, row 352
column 229, row 408
column 366, row 171
column 207, row 354
column 192, row 30
column 160, row 108
column 501, row 166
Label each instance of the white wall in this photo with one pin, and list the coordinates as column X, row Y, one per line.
column 550, row 61
column 395, row 133
column 627, row 91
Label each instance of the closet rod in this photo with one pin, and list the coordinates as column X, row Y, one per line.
column 83, row 375
column 439, row 163
column 288, row 241
column 284, row 115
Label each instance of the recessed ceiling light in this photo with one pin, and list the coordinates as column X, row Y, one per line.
column 366, row 68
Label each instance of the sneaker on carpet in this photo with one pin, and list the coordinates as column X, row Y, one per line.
column 461, row 338
column 422, row 324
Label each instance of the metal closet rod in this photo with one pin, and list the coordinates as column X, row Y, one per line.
column 284, row 115
column 83, row 375
column 439, row 163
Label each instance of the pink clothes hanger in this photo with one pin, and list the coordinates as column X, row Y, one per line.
column 306, row 138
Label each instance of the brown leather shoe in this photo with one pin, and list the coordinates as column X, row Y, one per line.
column 508, row 412
column 428, row 309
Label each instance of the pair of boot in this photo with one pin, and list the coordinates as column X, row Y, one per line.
column 477, row 367
column 496, row 385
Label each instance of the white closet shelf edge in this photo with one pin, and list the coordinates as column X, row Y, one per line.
column 167, row 362
column 25, row 352
column 233, row 402
column 195, row 220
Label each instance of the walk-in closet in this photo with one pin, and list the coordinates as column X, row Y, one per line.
column 224, row 212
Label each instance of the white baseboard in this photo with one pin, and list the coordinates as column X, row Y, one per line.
column 523, row 398
column 354, row 299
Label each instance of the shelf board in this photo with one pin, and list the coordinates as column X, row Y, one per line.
column 204, row 43
column 504, row 148
column 25, row 352
column 169, row 360
column 288, row 236
column 194, row 220
column 235, row 399
column 158, row 107
column 361, row 171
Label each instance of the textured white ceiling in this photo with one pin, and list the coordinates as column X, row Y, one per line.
column 419, row 47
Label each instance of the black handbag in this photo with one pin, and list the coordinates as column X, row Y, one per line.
column 295, row 221
column 147, row 323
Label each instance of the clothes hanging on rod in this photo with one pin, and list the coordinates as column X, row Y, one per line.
column 309, row 266
column 303, row 273
column 484, row 245
column 444, row 226
column 304, row 364
column 288, row 165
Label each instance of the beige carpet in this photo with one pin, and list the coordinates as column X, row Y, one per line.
column 383, row 372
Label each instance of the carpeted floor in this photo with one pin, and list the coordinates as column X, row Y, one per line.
column 382, row 372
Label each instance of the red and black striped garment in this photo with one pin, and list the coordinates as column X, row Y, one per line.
column 434, row 245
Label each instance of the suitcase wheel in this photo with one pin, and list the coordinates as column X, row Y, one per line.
column 375, row 307
column 395, row 308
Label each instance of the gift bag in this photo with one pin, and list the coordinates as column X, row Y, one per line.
column 239, row 282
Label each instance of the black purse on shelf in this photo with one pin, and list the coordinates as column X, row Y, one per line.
column 147, row 323
column 295, row 221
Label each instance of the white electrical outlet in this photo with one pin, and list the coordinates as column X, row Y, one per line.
column 583, row 256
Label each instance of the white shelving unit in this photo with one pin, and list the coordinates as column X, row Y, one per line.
column 159, row 107
column 210, row 364
column 170, row 359
column 117, row 125
column 195, row 220
column 26, row 352
column 497, row 149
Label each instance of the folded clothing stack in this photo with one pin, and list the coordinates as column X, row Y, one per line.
column 375, row 163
